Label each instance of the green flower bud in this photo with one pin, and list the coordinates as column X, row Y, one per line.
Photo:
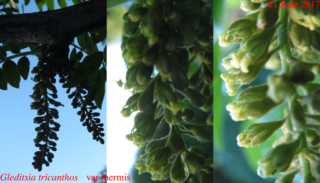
column 277, row 159
column 153, row 2
column 163, row 64
column 130, row 28
column 301, row 37
column 145, row 100
column 194, row 97
column 188, row 114
column 313, row 99
column 151, row 23
column 209, row 120
column 182, row 56
column 205, row 177
column 203, row 133
column 207, row 74
column 203, row 39
column 163, row 174
column 195, row 79
column 267, row 18
column 187, row 7
column 141, row 167
column 312, row 137
column 316, row 170
column 133, row 99
column 131, row 75
column 299, row 73
column 187, row 32
column 177, row 171
column 179, row 77
column 171, row 118
column 310, row 87
column 150, row 55
column 173, row 41
column 193, row 179
column 288, row 178
column 248, row 5
column 297, row 115
column 256, row 134
column 206, row 57
column 157, row 159
column 253, row 93
column 196, row 150
column 280, row 88
column 119, row 83
column 155, row 144
column 126, row 112
column 175, row 142
column 209, row 162
column 194, row 161
column 137, row 13
column 125, row 18
column 144, row 74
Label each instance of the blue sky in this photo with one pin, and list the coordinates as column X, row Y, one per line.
column 77, row 153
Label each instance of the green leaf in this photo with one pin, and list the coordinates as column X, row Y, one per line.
column 39, row 4
column 79, row 56
column 92, row 93
column 50, row 4
column 99, row 35
column 86, row 68
column 105, row 54
column 83, row 41
column 3, row 53
column 26, row 2
column 10, row 73
column 23, row 67
column 3, row 82
column 73, row 55
column 9, row 10
column 113, row 3
column 62, row 3
column 16, row 1
column 76, row 2
column 14, row 48
column 100, row 94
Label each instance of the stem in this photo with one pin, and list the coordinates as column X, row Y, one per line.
column 304, row 162
column 34, row 52
column 113, row 3
column 79, row 48
column 285, row 51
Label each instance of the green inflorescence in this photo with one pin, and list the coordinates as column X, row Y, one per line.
column 163, row 41
column 277, row 37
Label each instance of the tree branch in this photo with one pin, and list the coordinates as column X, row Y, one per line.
column 54, row 27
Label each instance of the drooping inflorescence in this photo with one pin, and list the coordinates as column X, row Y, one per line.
column 273, row 36
column 163, row 40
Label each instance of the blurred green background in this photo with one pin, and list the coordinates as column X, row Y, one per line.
column 114, row 33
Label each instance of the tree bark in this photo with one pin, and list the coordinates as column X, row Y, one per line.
column 57, row 27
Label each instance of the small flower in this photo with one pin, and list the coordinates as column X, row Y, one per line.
column 237, row 111
column 225, row 40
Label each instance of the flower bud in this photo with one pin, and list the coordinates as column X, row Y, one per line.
column 299, row 73
column 132, row 99
column 130, row 28
column 163, row 174
column 144, row 74
column 203, row 39
column 163, row 64
column 150, row 55
column 301, row 37
column 187, row 32
column 312, row 137
column 173, row 41
column 206, row 57
column 193, row 179
column 196, row 150
column 137, row 13
column 177, row 171
column 131, row 75
column 188, row 114
column 288, row 178
column 175, row 142
column 125, row 18
column 257, row 109
column 277, row 159
column 203, row 133
column 267, row 18
column 296, row 113
column 315, row 167
column 171, row 118
column 209, row 120
column 141, row 167
column 258, row 133
column 248, row 5
column 316, row 41
column 182, row 56
column 194, row 161
column 195, row 79
column 194, row 97
column 179, row 77
column 280, row 88
column 253, row 93
column 157, row 159
column 313, row 99
column 205, row 177
column 187, row 7
column 155, row 144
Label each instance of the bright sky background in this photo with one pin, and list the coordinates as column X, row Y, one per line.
column 77, row 153
column 121, row 152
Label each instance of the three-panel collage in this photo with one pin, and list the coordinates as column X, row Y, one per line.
column 195, row 91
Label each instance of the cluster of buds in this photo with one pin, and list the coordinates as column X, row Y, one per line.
column 298, row 39
column 54, row 61
column 162, row 40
